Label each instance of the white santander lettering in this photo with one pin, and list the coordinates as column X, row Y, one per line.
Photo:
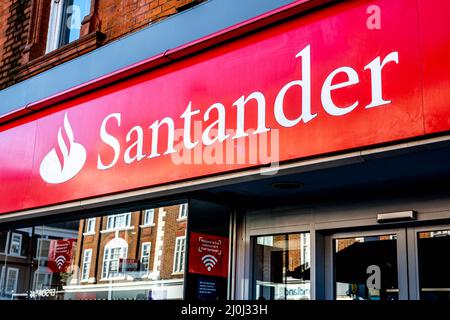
column 220, row 123
column 327, row 87
column 138, row 145
column 187, row 116
column 240, row 121
column 170, row 136
column 375, row 73
column 305, row 84
column 111, row 141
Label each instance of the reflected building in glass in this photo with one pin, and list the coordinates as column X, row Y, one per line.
column 131, row 255
column 282, row 267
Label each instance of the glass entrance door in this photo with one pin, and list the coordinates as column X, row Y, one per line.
column 431, row 264
column 366, row 266
column 281, row 267
column 400, row 264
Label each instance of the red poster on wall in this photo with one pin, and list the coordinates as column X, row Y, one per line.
column 60, row 254
column 208, row 255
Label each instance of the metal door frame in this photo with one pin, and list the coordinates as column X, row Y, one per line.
column 402, row 259
column 413, row 255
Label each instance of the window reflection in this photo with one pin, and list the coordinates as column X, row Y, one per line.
column 434, row 265
column 366, row 268
column 73, row 14
column 281, row 267
column 131, row 255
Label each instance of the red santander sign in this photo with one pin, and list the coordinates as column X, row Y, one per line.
column 321, row 83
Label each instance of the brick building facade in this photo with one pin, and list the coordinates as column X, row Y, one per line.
column 131, row 255
column 24, row 31
column 150, row 255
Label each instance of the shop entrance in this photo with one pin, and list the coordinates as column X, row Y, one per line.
column 336, row 230
column 391, row 264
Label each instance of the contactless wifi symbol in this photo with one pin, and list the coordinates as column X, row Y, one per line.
column 60, row 260
column 209, row 261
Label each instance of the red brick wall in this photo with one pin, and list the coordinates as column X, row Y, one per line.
column 172, row 229
column 113, row 19
column 294, row 251
column 14, row 17
column 4, row 14
column 122, row 17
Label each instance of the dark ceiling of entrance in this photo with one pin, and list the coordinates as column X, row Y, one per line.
column 412, row 171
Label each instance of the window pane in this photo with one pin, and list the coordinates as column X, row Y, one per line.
column 12, row 276
column 16, row 244
column 178, row 265
column 149, row 216
column 73, row 14
column 366, row 268
column 43, row 246
column 145, row 255
column 15, row 266
column 90, row 225
column 183, row 210
column 86, row 264
column 42, row 280
column 118, row 263
column 118, row 221
column 434, row 265
column 281, row 267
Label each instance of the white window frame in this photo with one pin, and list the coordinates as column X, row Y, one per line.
column 183, row 211
column 90, row 226
column 179, row 255
column 54, row 25
column 46, row 274
column 147, row 221
column 85, row 273
column 39, row 246
column 117, row 243
column 265, row 240
column 16, row 278
column 149, row 244
column 114, row 217
column 11, row 243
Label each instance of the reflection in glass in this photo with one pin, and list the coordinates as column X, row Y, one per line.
column 120, row 256
column 281, row 267
column 366, row 268
column 74, row 12
column 15, row 263
column 434, row 265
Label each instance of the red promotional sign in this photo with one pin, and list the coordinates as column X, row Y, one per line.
column 60, row 254
column 332, row 80
column 208, row 255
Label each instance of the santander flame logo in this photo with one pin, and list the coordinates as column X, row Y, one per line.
column 54, row 169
